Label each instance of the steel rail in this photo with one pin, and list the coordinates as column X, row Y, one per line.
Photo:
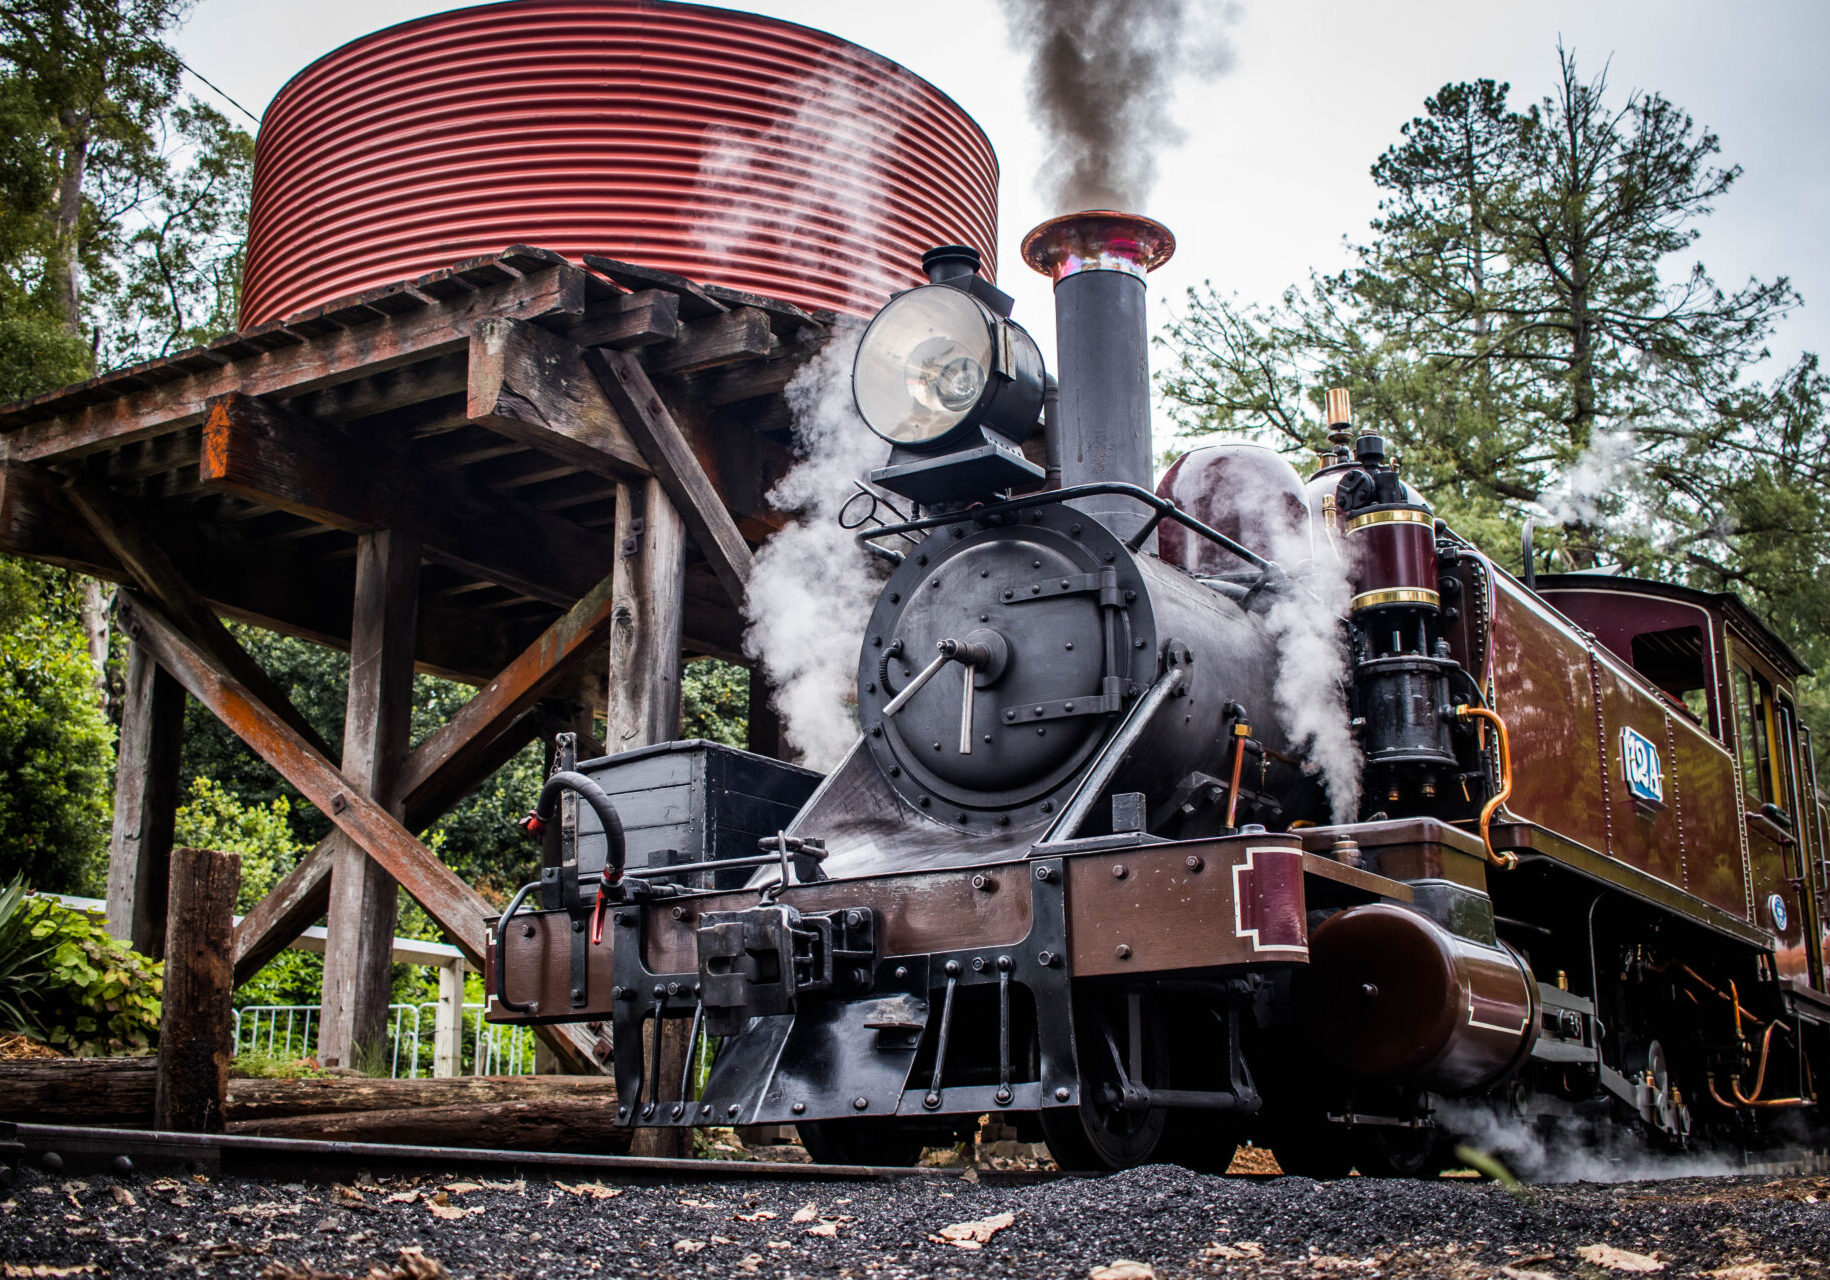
column 75, row 1148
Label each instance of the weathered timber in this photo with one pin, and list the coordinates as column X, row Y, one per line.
column 384, row 392
column 326, row 360
column 743, row 334
column 643, row 704
column 634, row 320
column 785, row 316
column 106, row 1091
column 145, row 804
column 196, row 1037
column 155, row 574
column 442, row 768
column 532, row 386
column 511, row 1125
column 271, row 584
column 694, row 301
column 755, row 378
column 337, row 1095
column 377, row 729
column 673, row 463
column 266, row 454
column 454, row 905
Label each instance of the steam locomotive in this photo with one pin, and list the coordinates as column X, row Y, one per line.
column 1253, row 806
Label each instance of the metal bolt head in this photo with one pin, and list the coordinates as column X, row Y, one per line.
column 981, row 882
column 902, row 971
column 1045, row 873
column 679, row 1110
column 931, row 1102
column 706, row 1110
column 853, row 919
column 1003, row 1095
column 1119, row 872
column 1046, row 959
column 1004, row 963
column 673, row 988
column 616, row 993
column 978, row 964
column 660, row 991
column 578, row 993
column 952, row 968
column 1061, row 1094
column 679, row 913
column 1193, row 862
column 799, row 1108
column 860, row 1104
column 732, row 1110
column 578, row 926
column 1123, row 951
column 527, row 930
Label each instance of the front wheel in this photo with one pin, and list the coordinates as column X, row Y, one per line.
column 1101, row 1133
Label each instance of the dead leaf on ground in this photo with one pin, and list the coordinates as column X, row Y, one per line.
column 806, row 1213
column 1745, row 1271
column 123, row 1197
column 973, row 1235
column 761, row 1215
column 45, row 1269
column 750, row 1262
column 415, row 1265
column 1244, row 1249
column 823, row 1229
column 1606, row 1255
column 596, row 1190
column 1525, row 1273
column 688, row 1246
column 1123, row 1269
column 780, row 1244
column 441, row 1207
column 463, row 1188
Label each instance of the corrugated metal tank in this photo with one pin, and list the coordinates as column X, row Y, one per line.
column 724, row 146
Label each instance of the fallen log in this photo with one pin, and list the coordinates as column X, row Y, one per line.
column 276, row 1099
column 542, row 1125
column 100, row 1091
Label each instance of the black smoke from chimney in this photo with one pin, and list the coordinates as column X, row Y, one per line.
column 1102, row 77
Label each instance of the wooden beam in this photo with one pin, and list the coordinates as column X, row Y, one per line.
column 755, row 378
column 386, row 392
column 471, row 746
column 533, row 386
column 377, row 724
column 264, row 453
column 145, row 804
column 635, row 320
column 644, row 697
column 743, row 334
column 326, row 360
column 452, row 904
column 674, row 464
column 155, row 574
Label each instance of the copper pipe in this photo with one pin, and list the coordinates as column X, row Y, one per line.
column 1240, row 733
column 1507, row 859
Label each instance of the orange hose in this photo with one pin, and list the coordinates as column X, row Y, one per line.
column 1240, row 733
column 1507, row 859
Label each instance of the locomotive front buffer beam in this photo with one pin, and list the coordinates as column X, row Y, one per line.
column 922, row 995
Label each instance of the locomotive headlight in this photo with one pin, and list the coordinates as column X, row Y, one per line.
column 936, row 363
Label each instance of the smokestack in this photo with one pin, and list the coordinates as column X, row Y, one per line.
column 1098, row 260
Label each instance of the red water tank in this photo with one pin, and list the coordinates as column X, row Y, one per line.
column 730, row 148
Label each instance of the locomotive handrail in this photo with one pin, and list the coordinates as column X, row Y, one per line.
column 1163, row 508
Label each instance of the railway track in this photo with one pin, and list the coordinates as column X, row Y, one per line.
column 80, row 1149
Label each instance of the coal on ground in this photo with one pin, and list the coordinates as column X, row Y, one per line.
column 1170, row 1222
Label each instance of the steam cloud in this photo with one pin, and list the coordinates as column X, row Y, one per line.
column 830, row 149
column 1102, row 77
column 1311, row 688
column 1534, row 1156
column 1591, row 479
column 813, row 587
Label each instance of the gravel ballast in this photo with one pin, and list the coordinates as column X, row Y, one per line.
column 1163, row 1217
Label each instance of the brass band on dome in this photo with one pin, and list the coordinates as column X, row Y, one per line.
column 1395, row 595
column 1392, row 515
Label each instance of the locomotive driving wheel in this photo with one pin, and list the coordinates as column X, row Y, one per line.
column 1122, row 1045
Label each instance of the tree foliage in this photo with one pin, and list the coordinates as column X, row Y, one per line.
column 1524, row 323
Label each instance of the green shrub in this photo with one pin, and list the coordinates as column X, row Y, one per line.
column 63, row 980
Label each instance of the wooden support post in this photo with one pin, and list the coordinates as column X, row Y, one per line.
column 145, row 804
column 363, row 897
column 195, row 1037
column 457, row 908
column 644, row 701
column 645, row 626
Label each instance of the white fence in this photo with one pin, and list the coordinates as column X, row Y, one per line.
column 289, row 1031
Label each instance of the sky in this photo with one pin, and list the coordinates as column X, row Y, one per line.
column 1272, row 173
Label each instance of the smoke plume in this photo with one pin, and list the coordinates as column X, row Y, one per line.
column 811, row 593
column 830, row 146
column 1592, row 479
column 1312, row 659
column 1102, row 79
